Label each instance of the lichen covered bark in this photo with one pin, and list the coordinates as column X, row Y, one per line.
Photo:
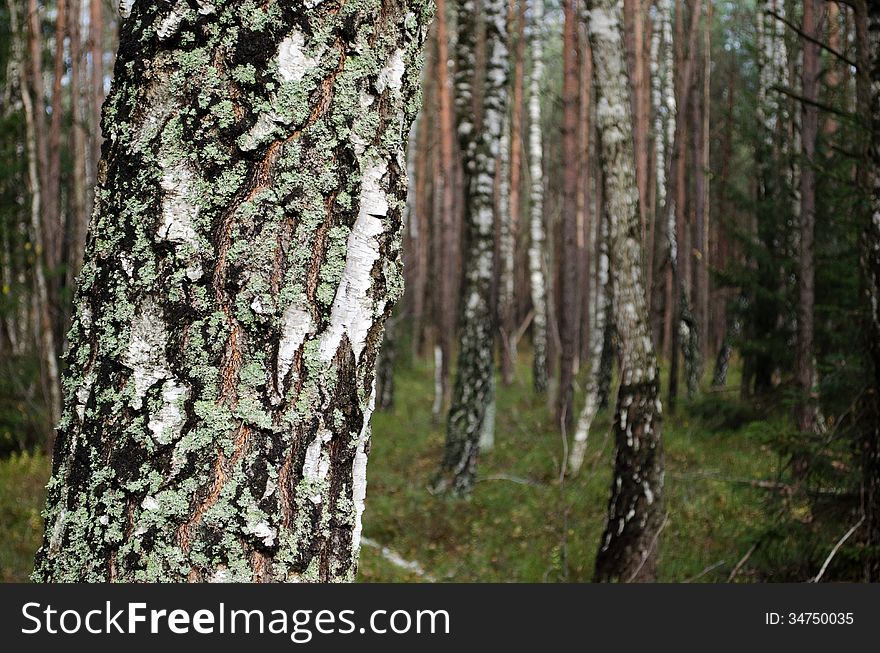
column 241, row 261
column 473, row 390
column 628, row 549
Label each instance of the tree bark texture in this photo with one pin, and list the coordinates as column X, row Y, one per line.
column 241, row 262
column 628, row 549
column 473, row 390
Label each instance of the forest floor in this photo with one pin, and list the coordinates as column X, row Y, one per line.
column 522, row 524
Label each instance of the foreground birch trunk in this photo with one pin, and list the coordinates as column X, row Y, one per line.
column 628, row 550
column 241, row 262
column 473, row 392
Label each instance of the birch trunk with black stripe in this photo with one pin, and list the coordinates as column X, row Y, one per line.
column 628, row 550
column 473, row 390
column 242, row 259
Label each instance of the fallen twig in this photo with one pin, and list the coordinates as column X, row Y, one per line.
column 836, row 548
column 397, row 560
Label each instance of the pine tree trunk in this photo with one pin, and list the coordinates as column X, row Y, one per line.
column 448, row 211
column 243, row 257
column 473, row 390
column 538, row 237
column 805, row 371
column 628, row 550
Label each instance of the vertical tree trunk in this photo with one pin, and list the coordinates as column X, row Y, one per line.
column 868, row 34
column 628, row 550
column 805, row 371
column 634, row 16
column 448, row 209
column 43, row 323
column 243, row 258
column 96, row 49
column 569, row 313
column 664, row 100
column 516, row 162
column 473, row 390
column 78, row 218
column 538, row 239
column 594, row 384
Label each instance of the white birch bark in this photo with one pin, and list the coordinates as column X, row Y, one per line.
column 628, row 549
column 537, row 244
column 472, row 393
column 242, row 259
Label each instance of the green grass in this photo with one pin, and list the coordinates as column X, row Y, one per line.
column 521, row 523
column 22, row 481
column 546, row 530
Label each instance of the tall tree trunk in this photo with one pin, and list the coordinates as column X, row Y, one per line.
column 96, row 49
column 634, row 16
column 664, row 101
column 594, row 384
column 805, row 370
column 53, row 222
column 473, row 390
column 516, row 161
column 78, row 219
column 569, row 314
column 538, row 238
column 448, row 209
column 243, row 258
column 868, row 34
column 43, row 323
column 628, row 550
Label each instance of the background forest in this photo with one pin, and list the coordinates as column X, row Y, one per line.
column 750, row 127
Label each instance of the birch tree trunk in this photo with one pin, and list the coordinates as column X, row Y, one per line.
column 592, row 398
column 473, row 390
column 537, row 232
column 628, row 550
column 243, row 256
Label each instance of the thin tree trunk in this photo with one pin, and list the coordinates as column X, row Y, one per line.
column 537, row 246
column 569, row 313
column 473, row 390
column 54, row 224
column 79, row 218
column 449, row 200
column 516, row 163
column 868, row 84
column 594, row 384
column 805, row 371
column 628, row 550
column 243, row 258
column 43, row 325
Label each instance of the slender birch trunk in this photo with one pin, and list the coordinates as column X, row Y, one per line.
column 243, row 257
column 664, row 100
column 592, row 399
column 628, row 550
column 538, row 237
column 473, row 391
